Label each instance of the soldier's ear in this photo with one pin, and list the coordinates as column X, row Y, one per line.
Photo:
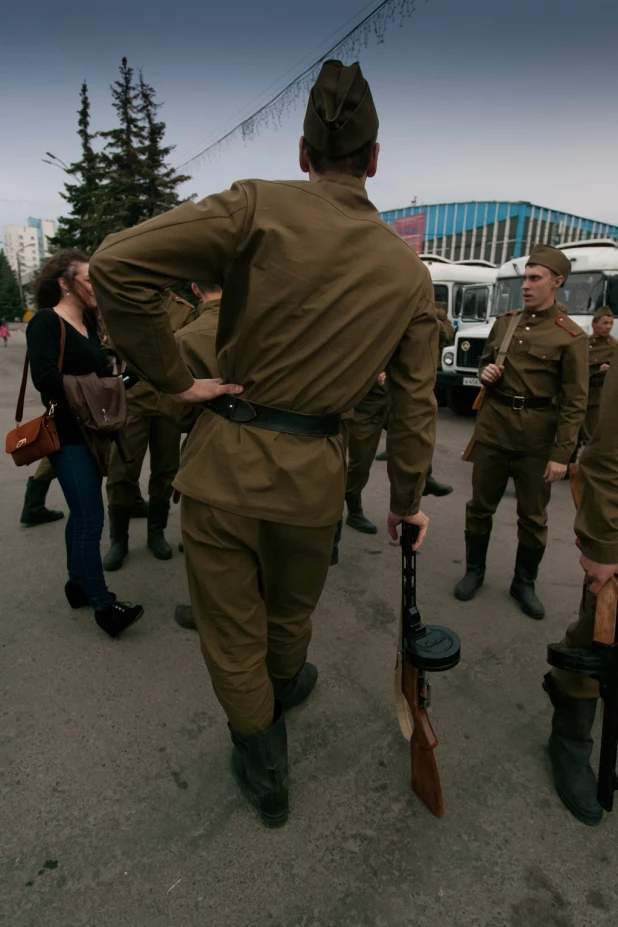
column 303, row 156
column 372, row 167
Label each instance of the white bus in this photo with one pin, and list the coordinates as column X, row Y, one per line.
column 450, row 278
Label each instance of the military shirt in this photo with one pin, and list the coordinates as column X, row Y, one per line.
column 547, row 356
column 596, row 524
column 319, row 296
column 143, row 399
column 600, row 351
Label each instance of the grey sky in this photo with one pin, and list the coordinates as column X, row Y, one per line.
column 477, row 98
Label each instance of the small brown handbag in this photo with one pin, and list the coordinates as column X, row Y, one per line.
column 37, row 438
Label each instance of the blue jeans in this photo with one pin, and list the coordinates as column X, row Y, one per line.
column 81, row 481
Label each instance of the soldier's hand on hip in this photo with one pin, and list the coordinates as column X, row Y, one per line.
column 604, row 368
column 205, row 390
column 554, row 471
column 491, row 374
column 420, row 519
column 597, row 573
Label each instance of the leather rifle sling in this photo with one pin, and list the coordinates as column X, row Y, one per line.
column 502, row 352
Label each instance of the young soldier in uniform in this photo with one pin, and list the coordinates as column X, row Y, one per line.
column 263, row 473
column 601, row 350
column 146, row 428
column 528, row 424
column 575, row 697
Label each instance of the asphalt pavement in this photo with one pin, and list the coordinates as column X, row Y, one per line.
column 117, row 808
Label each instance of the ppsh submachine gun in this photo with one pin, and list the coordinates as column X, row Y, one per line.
column 422, row 649
column 600, row 661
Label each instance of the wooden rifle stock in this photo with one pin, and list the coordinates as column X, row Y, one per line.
column 425, row 775
column 421, row 647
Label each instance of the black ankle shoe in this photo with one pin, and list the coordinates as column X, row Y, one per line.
column 76, row 596
column 117, row 617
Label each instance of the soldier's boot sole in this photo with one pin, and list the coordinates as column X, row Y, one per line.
column 527, row 599
column 469, row 585
column 362, row 524
column 159, row 547
column 115, row 556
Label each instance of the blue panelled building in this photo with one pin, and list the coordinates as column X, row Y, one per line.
column 493, row 231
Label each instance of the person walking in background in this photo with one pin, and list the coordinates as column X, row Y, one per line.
column 4, row 333
column 601, row 347
column 65, row 301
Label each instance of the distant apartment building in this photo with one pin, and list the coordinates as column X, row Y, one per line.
column 26, row 246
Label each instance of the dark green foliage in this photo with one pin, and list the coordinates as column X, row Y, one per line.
column 126, row 182
column 10, row 302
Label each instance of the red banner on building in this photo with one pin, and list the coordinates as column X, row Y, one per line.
column 412, row 230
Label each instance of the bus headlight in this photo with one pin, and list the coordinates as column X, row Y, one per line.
column 448, row 358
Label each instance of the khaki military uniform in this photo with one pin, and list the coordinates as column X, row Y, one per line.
column 148, row 427
column 371, row 418
column 547, row 357
column 596, row 524
column 260, row 507
column 601, row 351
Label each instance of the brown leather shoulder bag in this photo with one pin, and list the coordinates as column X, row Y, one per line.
column 37, row 438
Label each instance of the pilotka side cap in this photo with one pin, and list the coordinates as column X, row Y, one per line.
column 552, row 258
column 341, row 115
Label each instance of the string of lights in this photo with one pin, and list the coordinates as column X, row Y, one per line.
column 372, row 28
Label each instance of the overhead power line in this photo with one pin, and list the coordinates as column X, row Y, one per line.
column 373, row 26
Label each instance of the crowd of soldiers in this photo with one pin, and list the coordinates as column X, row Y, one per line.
column 262, row 375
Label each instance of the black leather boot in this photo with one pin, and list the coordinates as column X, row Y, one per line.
column 291, row 692
column 34, row 511
column 522, row 588
column 476, row 555
column 434, row 488
column 119, row 518
column 356, row 518
column 570, row 746
column 183, row 615
column 139, row 509
column 158, row 511
column 334, row 557
column 260, row 766
column 117, row 617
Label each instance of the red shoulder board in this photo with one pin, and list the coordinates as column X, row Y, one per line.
column 505, row 315
column 568, row 325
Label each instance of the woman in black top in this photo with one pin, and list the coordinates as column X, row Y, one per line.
column 63, row 283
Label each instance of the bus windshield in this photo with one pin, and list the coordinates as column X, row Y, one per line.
column 582, row 294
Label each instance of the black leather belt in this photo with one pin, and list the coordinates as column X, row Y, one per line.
column 235, row 409
column 597, row 379
column 521, row 402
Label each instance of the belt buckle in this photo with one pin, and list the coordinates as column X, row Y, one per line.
column 519, row 403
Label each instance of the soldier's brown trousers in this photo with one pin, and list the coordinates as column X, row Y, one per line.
column 492, row 467
column 254, row 585
column 579, row 634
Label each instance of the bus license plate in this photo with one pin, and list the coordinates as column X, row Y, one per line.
column 471, row 381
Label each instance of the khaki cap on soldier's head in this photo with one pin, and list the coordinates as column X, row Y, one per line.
column 341, row 116
column 601, row 312
column 552, row 258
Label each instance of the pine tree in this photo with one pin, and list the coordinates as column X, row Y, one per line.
column 159, row 181
column 10, row 302
column 81, row 229
column 122, row 193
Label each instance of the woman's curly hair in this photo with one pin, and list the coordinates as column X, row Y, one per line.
column 63, row 264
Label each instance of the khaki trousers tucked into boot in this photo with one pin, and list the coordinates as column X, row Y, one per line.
column 254, row 586
column 579, row 634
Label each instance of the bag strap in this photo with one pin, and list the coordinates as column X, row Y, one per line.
column 508, row 337
column 19, row 411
